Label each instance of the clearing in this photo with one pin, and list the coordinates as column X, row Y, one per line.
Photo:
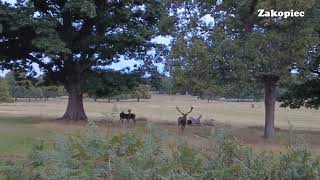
column 21, row 123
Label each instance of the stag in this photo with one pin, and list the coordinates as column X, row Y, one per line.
column 182, row 121
column 127, row 116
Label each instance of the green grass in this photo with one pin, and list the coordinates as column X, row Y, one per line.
column 17, row 120
column 17, row 136
column 14, row 143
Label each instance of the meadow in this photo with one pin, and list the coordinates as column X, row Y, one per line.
column 23, row 122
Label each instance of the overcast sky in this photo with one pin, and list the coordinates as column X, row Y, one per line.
column 122, row 64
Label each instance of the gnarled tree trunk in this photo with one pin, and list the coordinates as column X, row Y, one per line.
column 270, row 85
column 75, row 110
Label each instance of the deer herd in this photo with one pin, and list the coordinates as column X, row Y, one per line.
column 182, row 121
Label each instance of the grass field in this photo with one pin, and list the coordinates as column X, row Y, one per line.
column 161, row 108
column 23, row 122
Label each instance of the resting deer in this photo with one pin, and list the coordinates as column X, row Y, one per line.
column 194, row 121
column 127, row 116
column 182, row 121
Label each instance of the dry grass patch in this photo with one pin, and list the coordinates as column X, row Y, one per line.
column 161, row 108
column 246, row 121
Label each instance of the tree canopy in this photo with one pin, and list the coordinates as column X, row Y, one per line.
column 101, row 83
column 305, row 90
column 191, row 65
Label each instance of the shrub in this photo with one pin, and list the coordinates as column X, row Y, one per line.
column 136, row 155
column 141, row 92
column 4, row 92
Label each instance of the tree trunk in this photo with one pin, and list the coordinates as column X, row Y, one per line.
column 75, row 110
column 109, row 99
column 270, row 84
column 138, row 99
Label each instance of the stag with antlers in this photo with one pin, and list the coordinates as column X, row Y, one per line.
column 182, row 121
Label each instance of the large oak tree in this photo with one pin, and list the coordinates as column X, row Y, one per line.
column 67, row 37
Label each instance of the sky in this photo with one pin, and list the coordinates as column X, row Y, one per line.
column 117, row 66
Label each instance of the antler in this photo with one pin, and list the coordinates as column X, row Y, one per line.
column 190, row 110
column 182, row 112
column 179, row 110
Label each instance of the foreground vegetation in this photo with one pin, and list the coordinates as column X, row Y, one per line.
column 153, row 154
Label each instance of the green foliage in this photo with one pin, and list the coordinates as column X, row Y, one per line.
column 284, row 44
column 211, row 71
column 302, row 94
column 192, row 68
column 22, row 87
column 135, row 155
column 141, row 92
column 100, row 83
column 4, row 91
column 166, row 85
column 304, row 89
column 66, row 38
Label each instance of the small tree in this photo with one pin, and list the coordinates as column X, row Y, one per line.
column 4, row 92
column 211, row 92
column 141, row 92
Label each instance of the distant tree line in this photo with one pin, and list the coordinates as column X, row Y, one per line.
column 19, row 86
column 98, row 84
